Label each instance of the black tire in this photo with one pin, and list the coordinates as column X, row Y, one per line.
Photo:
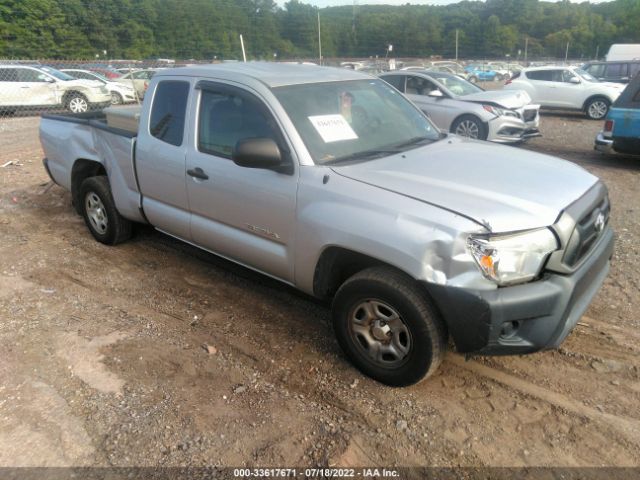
column 469, row 126
column 473, row 79
column 110, row 228
column 424, row 333
column 77, row 103
column 597, row 108
column 498, row 77
column 116, row 98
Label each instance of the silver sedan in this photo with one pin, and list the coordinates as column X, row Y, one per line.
column 467, row 110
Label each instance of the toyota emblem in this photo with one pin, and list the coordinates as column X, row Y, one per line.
column 599, row 223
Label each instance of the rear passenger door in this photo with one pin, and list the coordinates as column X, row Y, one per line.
column 245, row 214
column 161, row 152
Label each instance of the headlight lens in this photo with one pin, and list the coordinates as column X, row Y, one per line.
column 512, row 258
column 498, row 112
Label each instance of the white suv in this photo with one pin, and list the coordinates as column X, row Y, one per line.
column 567, row 88
column 25, row 86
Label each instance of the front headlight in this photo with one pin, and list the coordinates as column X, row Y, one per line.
column 512, row 258
column 498, row 112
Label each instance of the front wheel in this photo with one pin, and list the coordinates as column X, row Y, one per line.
column 473, row 79
column 116, row 98
column 597, row 108
column 100, row 213
column 387, row 327
column 469, row 126
column 77, row 103
column 498, row 78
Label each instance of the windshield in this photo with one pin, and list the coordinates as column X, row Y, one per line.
column 57, row 73
column 354, row 120
column 99, row 76
column 586, row 75
column 456, row 85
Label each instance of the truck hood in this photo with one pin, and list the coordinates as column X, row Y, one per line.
column 502, row 188
column 501, row 98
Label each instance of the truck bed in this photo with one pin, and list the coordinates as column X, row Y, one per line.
column 87, row 137
column 96, row 119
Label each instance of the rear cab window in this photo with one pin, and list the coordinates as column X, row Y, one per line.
column 168, row 111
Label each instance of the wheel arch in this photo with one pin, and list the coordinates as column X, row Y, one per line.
column 70, row 93
column 593, row 97
column 484, row 123
column 81, row 170
column 336, row 264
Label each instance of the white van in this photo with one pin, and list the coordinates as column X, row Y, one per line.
column 623, row 51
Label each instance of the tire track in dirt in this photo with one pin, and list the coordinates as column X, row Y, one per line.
column 629, row 427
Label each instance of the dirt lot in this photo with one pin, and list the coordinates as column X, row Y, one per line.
column 103, row 364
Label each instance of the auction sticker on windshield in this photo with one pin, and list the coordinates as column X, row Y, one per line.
column 333, row 128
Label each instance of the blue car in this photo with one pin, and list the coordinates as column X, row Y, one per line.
column 483, row 73
column 622, row 126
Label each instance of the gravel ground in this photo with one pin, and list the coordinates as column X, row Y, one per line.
column 103, row 361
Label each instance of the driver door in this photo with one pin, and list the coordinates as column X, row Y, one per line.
column 244, row 214
column 436, row 108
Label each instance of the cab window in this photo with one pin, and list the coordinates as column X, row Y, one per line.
column 596, row 69
column 543, row 75
column 169, row 111
column 225, row 118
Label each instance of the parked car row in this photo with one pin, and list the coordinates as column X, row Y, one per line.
column 78, row 90
column 567, row 88
column 461, row 107
column 34, row 86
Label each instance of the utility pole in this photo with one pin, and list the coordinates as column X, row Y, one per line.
column 456, row 45
column 526, row 45
column 244, row 55
column 319, row 39
column 597, row 51
column 566, row 54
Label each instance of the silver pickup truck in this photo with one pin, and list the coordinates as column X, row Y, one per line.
column 331, row 181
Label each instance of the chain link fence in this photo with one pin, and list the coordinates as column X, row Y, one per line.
column 29, row 87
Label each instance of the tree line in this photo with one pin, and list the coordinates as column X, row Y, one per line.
column 210, row 29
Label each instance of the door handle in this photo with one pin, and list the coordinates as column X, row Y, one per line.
column 198, row 173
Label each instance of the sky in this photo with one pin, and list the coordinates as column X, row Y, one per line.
column 332, row 3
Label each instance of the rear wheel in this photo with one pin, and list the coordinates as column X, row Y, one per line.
column 469, row 126
column 473, row 79
column 387, row 327
column 498, row 77
column 597, row 108
column 100, row 213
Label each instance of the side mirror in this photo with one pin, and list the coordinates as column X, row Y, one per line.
column 257, row 153
column 575, row 80
column 435, row 94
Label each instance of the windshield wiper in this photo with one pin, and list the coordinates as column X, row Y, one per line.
column 411, row 142
column 367, row 154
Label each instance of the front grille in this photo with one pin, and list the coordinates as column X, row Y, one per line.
column 529, row 115
column 587, row 231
